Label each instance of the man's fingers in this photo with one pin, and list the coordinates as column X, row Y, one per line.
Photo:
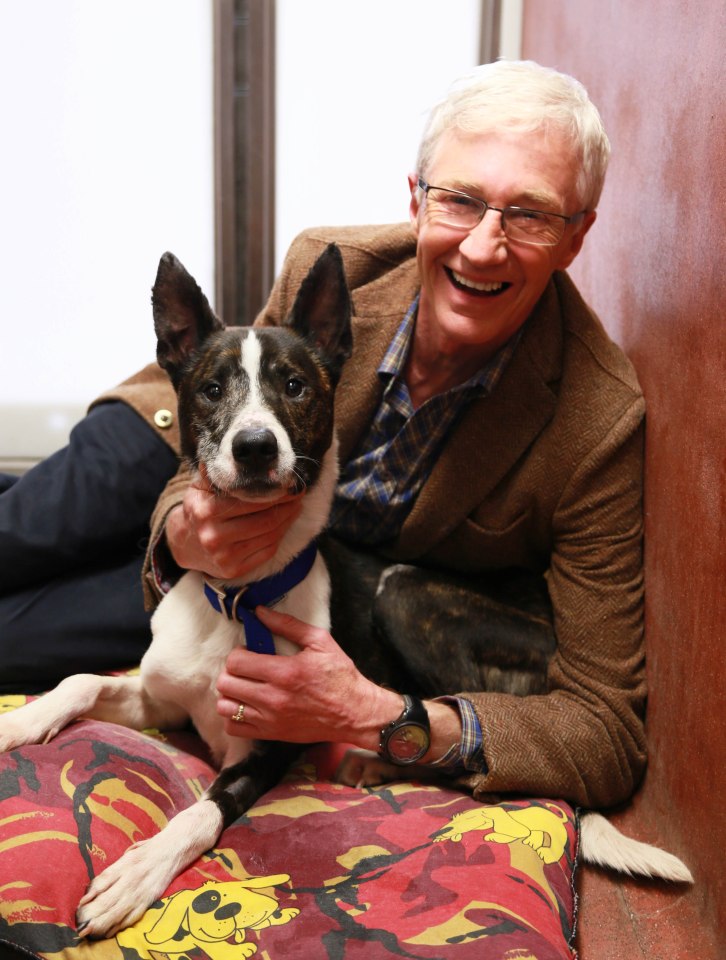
column 289, row 627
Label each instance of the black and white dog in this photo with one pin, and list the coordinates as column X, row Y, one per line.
column 256, row 410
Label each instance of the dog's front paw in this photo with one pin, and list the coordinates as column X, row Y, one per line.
column 361, row 768
column 9, row 733
column 120, row 896
column 14, row 732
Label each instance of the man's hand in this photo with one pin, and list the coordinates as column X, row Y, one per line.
column 223, row 536
column 315, row 695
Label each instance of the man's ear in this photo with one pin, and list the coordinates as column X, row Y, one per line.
column 574, row 244
column 415, row 203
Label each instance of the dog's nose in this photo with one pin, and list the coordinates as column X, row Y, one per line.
column 254, row 448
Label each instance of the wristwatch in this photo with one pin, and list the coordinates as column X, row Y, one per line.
column 408, row 738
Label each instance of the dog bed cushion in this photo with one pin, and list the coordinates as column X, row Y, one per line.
column 314, row 870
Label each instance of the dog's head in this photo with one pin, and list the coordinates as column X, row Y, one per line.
column 255, row 404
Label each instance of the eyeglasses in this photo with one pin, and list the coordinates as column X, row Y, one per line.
column 462, row 212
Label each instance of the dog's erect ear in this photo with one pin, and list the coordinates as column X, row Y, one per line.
column 182, row 315
column 322, row 308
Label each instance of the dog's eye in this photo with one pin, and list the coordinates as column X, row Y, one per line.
column 212, row 392
column 294, row 387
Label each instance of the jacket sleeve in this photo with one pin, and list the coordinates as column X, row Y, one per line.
column 160, row 572
column 584, row 740
column 150, row 393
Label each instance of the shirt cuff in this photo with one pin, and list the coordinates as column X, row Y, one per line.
column 468, row 753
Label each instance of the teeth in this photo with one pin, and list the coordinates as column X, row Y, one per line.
column 483, row 287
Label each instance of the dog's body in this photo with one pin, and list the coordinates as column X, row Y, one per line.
column 256, row 413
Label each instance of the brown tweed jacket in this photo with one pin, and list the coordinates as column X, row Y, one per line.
column 545, row 474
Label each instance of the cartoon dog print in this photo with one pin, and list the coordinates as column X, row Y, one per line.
column 207, row 918
column 539, row 827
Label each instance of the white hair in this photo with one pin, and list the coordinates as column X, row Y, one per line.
column 525, row 96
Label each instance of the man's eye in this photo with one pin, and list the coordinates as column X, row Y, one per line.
column 457, row 201
column 212, row 391
column 527, row 216
column 294, row 387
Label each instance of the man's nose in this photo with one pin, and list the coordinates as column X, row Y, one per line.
column 486, row 241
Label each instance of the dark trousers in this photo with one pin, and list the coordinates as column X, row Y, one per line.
column 73, row 532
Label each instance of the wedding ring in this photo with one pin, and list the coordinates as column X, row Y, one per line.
column 239, row 717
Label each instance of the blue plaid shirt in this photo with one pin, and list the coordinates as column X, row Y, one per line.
column 379, row 485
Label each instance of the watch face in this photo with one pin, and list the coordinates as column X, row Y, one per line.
column 408, row 743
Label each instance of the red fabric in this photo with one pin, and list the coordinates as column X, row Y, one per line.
column 332, row 871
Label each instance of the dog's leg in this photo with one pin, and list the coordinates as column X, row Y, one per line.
column 115, row 699
column 121, row 894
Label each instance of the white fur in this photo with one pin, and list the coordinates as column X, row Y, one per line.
column 121, row 894
column 253, row 414
column 603, row 844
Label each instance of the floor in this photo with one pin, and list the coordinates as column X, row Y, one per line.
column 633, row 919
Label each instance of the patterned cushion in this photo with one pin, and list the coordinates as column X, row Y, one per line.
column 315, row 870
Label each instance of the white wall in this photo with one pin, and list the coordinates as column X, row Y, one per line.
column 510, row 29
column 106, row 161
column 354, row 81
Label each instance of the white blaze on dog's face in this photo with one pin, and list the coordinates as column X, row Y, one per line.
column 255, row 412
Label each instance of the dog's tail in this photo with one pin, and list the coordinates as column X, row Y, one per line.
column 603, row 844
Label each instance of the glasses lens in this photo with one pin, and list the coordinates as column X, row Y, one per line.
column 533, row 226
column 454, row 209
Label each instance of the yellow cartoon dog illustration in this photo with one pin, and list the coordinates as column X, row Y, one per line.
column 213, row 917
column 538, row 827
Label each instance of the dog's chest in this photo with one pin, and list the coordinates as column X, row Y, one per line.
column 190, row 645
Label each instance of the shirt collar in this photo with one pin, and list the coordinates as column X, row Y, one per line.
column 483, row 381
column 393, row 362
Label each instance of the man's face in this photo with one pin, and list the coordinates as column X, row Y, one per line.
column 478, row 287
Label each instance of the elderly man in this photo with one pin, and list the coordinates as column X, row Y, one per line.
column 487, row 423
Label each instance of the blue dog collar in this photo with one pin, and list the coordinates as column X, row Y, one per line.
column 238, row 603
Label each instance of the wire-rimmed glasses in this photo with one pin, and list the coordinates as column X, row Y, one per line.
column 456, row 209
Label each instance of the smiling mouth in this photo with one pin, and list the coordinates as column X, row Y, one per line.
column 478, row 289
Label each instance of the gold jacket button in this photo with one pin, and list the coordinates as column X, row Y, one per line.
column 163, row 419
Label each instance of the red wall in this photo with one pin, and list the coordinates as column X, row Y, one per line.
column 653, row 268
